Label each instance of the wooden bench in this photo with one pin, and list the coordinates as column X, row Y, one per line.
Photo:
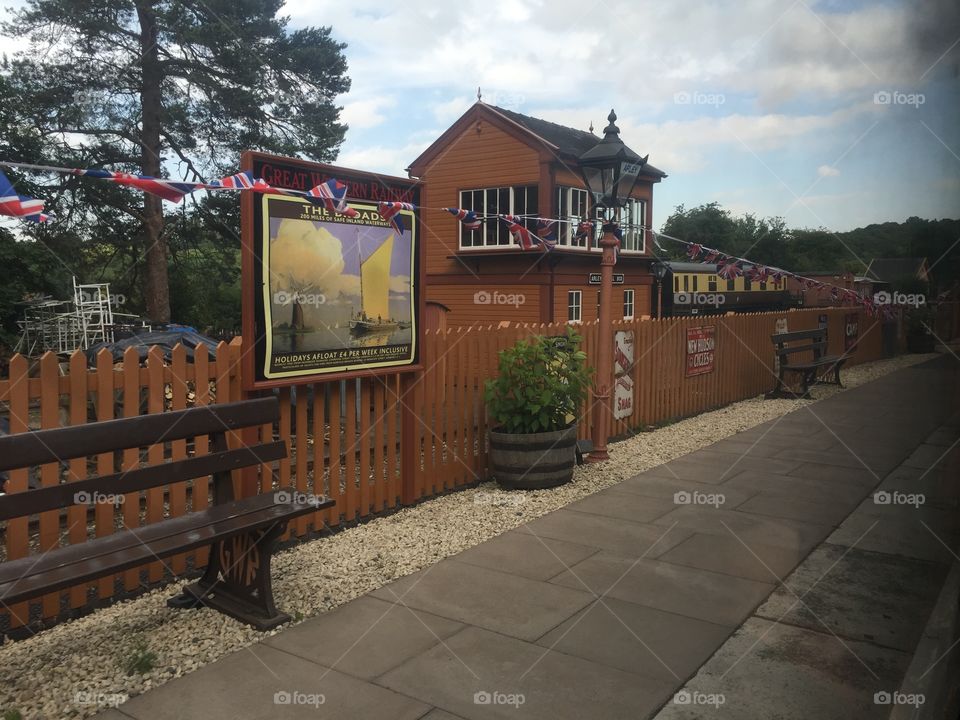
column 809, row 370
column 241, row 533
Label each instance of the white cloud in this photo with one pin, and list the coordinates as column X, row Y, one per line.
column 366, row 113
column 383, row 159
column 827, row 171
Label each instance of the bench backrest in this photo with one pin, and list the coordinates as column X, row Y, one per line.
column 817, row 338
column 56, row 445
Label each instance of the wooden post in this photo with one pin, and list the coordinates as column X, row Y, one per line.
column 601, row 397
column 409, row 448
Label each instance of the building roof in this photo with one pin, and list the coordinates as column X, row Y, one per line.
column 893, row 269
column 548, row 137
column 567, row 140
column 825, row 273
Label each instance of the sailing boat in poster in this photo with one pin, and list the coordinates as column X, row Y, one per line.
column 374, row 316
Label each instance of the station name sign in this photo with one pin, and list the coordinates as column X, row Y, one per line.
column 595, row 278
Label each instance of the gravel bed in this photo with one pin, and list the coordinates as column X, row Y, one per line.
column 77, row 668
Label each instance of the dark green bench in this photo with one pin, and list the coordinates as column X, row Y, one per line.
column 804, row 341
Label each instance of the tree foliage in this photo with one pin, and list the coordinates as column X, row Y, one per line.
column 770, row 241
column 165, row 87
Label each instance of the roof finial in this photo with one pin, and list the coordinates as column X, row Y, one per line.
column 479, row 96
column 591, row 126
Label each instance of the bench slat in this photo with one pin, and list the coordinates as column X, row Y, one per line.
column 798, row 335
column 799, row 348
column 29, row 577
column 44, row 446
column 64, row 495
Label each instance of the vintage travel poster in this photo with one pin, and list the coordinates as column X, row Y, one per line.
column 338, row 291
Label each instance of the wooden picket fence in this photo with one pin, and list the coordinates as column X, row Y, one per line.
column 346, row 439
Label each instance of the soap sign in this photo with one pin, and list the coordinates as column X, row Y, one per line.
column 701, row 349
column 623, row 355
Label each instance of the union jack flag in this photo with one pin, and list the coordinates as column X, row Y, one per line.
column 584, row 231
column 729, row 269
column 390, row 211
column 523, row 237
column 694, row 250
column 758, row 273
column 546, row 230
column 467, row 217
column 20, row 206
column 169, row 190
column 711, row 255
column 333, row 196
column 240, row 181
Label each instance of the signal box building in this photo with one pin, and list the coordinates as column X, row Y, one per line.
column 491, row 161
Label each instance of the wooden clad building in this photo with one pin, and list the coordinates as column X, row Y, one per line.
column 493, row 160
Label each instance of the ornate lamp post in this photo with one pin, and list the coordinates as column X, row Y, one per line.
column 610, row 171
column 659, row 272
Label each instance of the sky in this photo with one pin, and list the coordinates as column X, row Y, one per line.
column 830, row 114
column 834, row 114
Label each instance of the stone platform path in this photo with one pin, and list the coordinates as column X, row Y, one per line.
column 788, row 571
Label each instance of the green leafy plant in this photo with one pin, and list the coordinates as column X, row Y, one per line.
column 141, row 659
column 12, row 715
column 541, row 382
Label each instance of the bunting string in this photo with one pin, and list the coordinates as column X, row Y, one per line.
column 332, row 195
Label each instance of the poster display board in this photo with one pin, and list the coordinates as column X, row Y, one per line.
column 328, row 295
column 701, row 350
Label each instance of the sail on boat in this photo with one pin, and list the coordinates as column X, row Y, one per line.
column 374, row 317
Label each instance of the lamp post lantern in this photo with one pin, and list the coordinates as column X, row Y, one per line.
column 659, row 272
column 610, row 171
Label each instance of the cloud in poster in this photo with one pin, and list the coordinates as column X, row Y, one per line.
column 305, row 258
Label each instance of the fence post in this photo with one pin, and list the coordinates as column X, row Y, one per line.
column 409, row 455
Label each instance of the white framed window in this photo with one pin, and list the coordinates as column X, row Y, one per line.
column 517, row 200
column 633, row 217
column 628, row 304
column 574, row 305
column 572, row 207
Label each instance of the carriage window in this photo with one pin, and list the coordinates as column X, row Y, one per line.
column 686, row 283
column 676, row 283
column 712, row 283
column 695, row 283
column 731, row 284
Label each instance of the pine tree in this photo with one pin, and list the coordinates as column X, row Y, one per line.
column 173, row 88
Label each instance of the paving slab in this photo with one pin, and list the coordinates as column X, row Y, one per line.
column 927, row 456
column 625, row 506
column 748, row 528
column 474, row 664
column 365, row 637
column 793, row 508
column 639, row 639
column 863, row 477
column 841, row 457
column 736, row 446
column 859, row 595
column 769, row 671
column 789, row 486
column 654, row 486
column 895, row 536
column 701, row 594
column 509, row 604
column 728, row 555
column 712, row 471
column 621, row 536
column 522, row 553
column 261, row 683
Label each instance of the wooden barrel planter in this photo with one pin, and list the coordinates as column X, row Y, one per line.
column 535, row 460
